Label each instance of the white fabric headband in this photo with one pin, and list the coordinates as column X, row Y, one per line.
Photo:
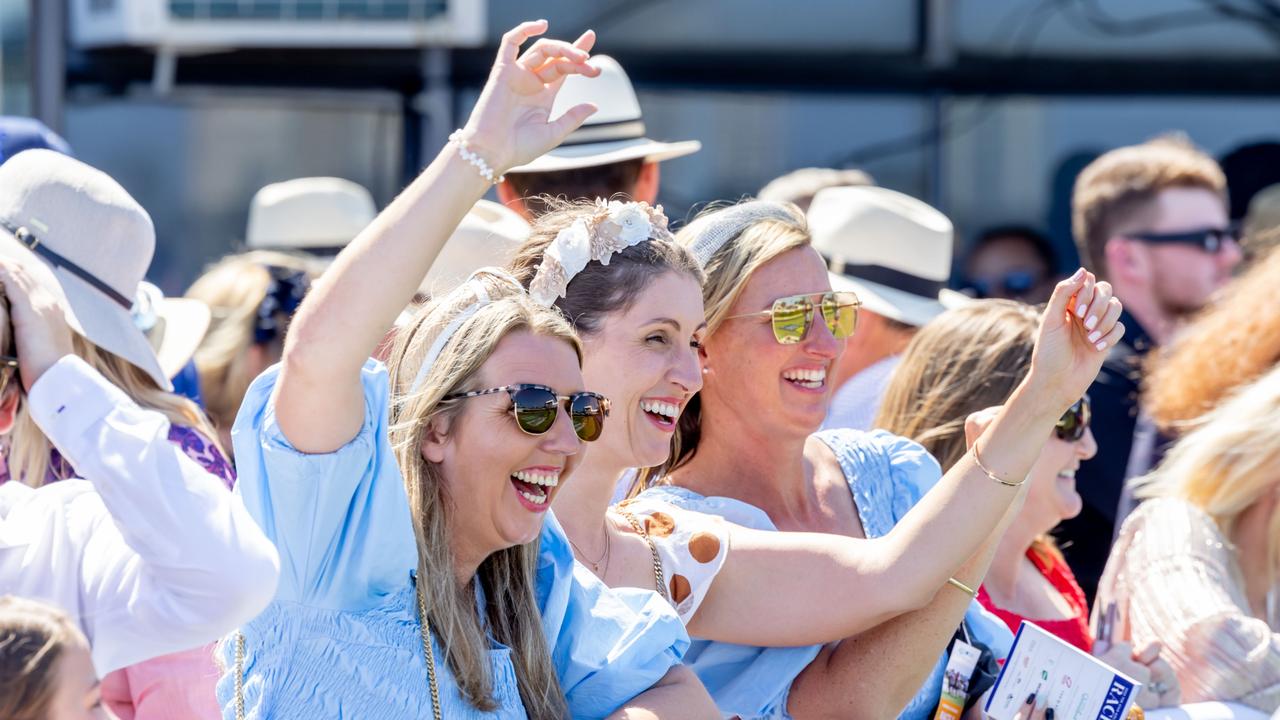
column 711, row 231
column 475, row 286
column 613, row 227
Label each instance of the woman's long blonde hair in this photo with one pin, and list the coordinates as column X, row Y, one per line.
column 962, row 361
column 1227, row 462
column 29, row 449
column 728, row 271
column 33, row 638
column 507, row 577
column 1232, row 342
column 233, row 288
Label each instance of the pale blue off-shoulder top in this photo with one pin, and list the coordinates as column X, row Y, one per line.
column 887, row 476
column 342, row 639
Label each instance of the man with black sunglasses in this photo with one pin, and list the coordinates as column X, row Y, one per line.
column 1152, row 220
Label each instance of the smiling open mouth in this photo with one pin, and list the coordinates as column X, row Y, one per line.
column 535, row 487
column 663, row 414
column 808, row 379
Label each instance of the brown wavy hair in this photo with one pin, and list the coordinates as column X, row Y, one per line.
column 33, row 638
column 1233, row 341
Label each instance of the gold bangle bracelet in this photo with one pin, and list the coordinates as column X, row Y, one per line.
column 978, row 461
column 963, row 588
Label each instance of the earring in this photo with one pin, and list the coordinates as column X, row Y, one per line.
column 706, row 370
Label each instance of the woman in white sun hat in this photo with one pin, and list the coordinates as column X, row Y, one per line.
column 159, row 558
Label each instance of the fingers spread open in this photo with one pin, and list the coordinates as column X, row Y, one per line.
column 516, row 36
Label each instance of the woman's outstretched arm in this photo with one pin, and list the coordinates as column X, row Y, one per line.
column 320, row 400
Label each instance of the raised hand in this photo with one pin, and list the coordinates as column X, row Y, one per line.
column 40, row 328
column 511, row 123
column 1080, row 324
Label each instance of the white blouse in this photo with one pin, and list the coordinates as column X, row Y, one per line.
column 149, row 554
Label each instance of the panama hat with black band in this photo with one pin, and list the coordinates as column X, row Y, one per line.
column 891, row 249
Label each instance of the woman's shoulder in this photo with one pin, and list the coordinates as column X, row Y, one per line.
column 1172, row 524
column 735, row 511
column 887, row 473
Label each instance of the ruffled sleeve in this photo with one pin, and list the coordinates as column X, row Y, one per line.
column 1176, row 581
column 692, row 548
column 608, row 644
column 887, row 474
column 744, row 680
column 340, row 520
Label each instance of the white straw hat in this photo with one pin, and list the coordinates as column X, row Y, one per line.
column 173, row 326
column 313, row 214
column 615, row 132
column 93, row 237
column 891, row 249
column 487, row 237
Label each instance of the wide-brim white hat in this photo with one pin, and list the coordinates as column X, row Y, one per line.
column 95, row 241
column 487, row 237
column 615, row 133
column 174, row 326
column 891, row 249
column 313, row 214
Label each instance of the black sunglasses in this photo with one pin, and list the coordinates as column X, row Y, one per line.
column 1210, row 240
column 536, row 407
column 1014, row 282
column 1074, row 421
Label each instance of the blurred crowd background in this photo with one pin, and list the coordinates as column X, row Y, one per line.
column 986, row 109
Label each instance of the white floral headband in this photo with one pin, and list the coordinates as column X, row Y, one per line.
column 613, row 227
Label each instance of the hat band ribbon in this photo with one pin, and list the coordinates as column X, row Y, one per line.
column 605, row 132
column 32, row 243
column 889, row 277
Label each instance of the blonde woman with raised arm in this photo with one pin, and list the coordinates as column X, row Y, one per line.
column 424, row 575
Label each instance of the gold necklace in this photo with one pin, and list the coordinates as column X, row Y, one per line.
column 604, row 556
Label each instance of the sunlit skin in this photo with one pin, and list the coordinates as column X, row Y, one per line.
column 482, row 448
column 1161, row 283
column 750, row 367
column 78, row 696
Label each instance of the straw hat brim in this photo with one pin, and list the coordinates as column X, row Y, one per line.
column 895, row 304
column 90, row 313
column 587, row 155
column 185, row 323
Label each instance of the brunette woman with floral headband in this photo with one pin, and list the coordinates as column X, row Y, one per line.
column 423, row 574
column 774, row 329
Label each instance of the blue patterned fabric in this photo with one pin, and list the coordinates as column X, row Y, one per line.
column 342, row 638
column 887, row 476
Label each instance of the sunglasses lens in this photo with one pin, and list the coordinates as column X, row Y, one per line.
column 588, row 416
column 1074, row 421
column 840, row 310
column 791, row 319
column 535, row 410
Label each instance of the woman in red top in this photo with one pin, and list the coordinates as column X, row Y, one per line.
column 972, row 358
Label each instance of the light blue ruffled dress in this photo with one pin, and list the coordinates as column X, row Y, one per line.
column 887, row 475
column 342, row 638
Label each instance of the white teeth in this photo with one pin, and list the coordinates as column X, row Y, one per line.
column 544, row 479
column 535, row 499
column 661, row 408
column 807, row 378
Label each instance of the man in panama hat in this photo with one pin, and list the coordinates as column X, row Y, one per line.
column 609, row 154
column 894, row 252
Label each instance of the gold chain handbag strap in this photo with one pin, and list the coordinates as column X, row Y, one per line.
column 427, row 650
column 658, row 575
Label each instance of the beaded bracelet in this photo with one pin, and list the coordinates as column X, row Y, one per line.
column 464, row 149
column 978, row 461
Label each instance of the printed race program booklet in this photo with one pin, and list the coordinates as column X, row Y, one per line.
column 1078, row 685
